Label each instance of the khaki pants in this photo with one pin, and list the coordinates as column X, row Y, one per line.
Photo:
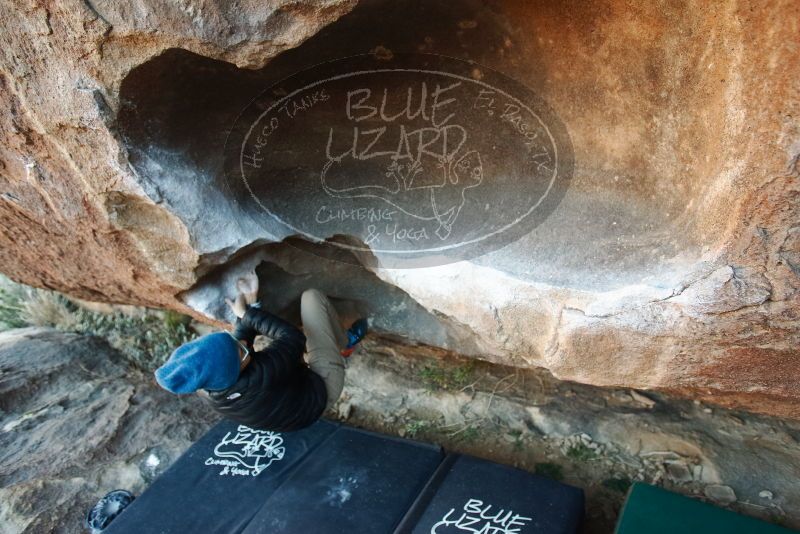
column 324, row 341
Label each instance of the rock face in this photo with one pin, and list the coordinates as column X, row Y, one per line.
column 671, row 263
column 76, row 422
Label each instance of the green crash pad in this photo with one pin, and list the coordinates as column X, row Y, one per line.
column 652, row 510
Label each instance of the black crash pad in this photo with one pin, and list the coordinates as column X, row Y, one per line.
column 221, row 481
column 356, row 481
column 471, row 495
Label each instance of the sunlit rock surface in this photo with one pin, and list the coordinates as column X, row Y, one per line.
column 671, row 263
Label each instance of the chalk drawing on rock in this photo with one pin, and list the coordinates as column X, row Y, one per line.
column 247, row 452
column 412, row 190
column 413, row 160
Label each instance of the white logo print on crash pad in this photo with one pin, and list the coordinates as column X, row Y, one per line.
column 480, row 518
column 248, row 452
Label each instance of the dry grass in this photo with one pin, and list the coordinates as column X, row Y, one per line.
column 146, row 340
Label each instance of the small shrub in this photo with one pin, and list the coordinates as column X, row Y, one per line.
column 173, row 320
column 466, row 434
column 435, row 376
column 462, row 375
column 45, row 308
column 415, row 427
column 516, row 439
column 549, row 470
column 22, row 306
column 620, row 485
column 579, row 452
column 11, row 308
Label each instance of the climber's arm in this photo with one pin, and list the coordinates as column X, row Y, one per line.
column 287, row 343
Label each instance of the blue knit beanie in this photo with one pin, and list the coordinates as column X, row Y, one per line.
column 210, row 362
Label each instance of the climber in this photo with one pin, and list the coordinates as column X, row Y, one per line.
column 273, row 389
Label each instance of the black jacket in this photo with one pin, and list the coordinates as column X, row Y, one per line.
column 276, row 391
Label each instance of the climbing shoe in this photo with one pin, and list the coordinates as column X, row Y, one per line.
column 103, row 513
column 355, row 334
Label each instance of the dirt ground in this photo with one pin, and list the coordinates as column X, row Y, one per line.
column 599, row 439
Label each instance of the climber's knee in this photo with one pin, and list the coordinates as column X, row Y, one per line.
column 311, row 296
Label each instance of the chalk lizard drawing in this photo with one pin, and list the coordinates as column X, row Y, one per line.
column 431, row 186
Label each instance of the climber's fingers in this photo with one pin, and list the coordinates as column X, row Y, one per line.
column 238, row 307
column 248, row 286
